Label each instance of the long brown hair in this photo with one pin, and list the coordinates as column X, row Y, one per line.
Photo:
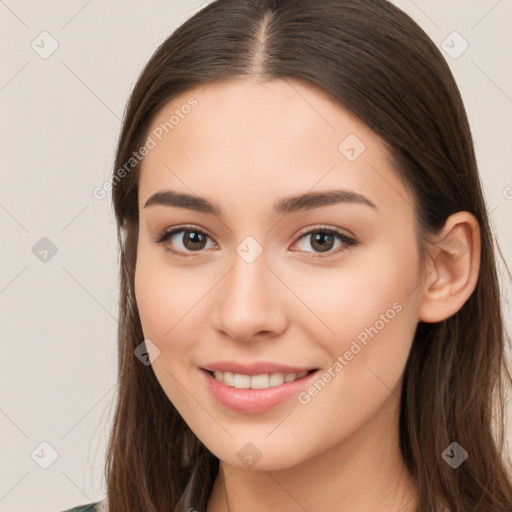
column 379, row 64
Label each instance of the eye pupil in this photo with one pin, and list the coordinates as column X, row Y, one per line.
column 320, row 236
column 195, row 238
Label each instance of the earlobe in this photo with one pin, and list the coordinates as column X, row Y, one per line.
column 453, row 272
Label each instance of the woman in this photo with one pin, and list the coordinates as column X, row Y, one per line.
column 310, row 314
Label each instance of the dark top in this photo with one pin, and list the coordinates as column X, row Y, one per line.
column 99, row 506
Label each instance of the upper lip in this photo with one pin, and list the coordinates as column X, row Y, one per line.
column 255, row 368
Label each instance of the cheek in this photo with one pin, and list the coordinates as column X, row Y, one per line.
column 164, row 312
column 162, row 294
column 150, row 296
column 171, row 304
column 369, row 302
column 365, row 291
column 371, row 310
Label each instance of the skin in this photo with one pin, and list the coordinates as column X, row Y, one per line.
column 244, row 146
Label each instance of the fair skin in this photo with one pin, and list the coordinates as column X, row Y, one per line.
column 243, row 147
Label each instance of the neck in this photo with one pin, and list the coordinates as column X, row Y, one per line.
column 363, row 472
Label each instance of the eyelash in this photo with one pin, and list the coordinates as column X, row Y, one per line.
column 344, row 239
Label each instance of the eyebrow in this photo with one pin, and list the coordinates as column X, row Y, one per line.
column 292, row 204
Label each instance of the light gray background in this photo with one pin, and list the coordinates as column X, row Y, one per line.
column 60, row 121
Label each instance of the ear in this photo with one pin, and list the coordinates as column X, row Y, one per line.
column 453, row 271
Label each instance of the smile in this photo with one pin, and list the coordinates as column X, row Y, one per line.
column 253, row 394
column 261, row 381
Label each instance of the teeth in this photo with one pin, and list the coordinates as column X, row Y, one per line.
column 242, row 381
column 262, row 381
column 275, row 379
column 229, row 378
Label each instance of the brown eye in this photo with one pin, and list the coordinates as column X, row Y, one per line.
column 323, row 240
column 193, row 240
column 180, row 241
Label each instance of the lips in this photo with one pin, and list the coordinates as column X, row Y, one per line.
column 254, row 368
column 261, row 381
column 254, row 401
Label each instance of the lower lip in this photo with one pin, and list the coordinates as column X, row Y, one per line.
column 253, row 401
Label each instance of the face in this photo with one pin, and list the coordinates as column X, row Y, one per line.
column 263, row 287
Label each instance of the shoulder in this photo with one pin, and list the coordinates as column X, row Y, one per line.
column 99, row 506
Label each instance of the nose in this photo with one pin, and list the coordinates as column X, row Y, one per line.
column 250, row 301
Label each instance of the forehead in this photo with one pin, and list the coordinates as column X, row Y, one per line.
column 249, row 142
